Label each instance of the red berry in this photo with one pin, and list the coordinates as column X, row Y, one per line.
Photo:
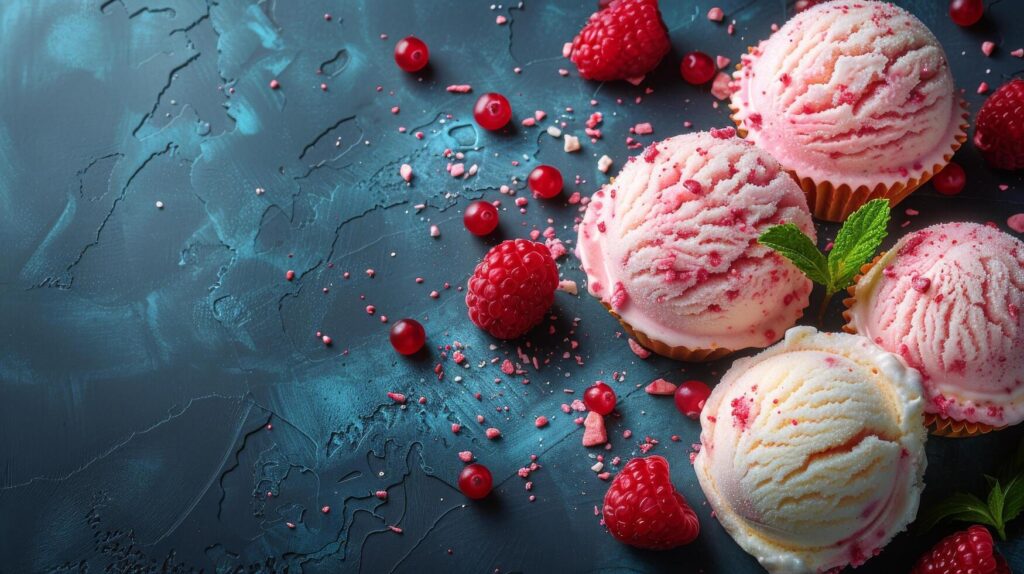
column 624, row 41
column 697, row 68
column 600, row 398
column 970, row 550
column 545, row 181
column 966, row 12
column 480, row 218
column 407, row 336
column 951, row 180
column 411, row 54
column 512, row 288
column 690, row 398
column 643, row 509
column 475, row 481
column 999, row 129
column 492, row 111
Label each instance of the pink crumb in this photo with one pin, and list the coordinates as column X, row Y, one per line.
column 594, row 433
column 458, row 169
column 716, row 14
column 1018, row 53
column 381, row 494
column 1016, row 222
column 492, row 433
column 459, row 88
column 643, row 129
column 397, row 397
column 983, row 88
column 456, row 427
column 289, row 275
column 638, row 350
column 274, row 84
column 406, row 172
column 722, row 62
column 541, row 422
column 500, row 20
column 720, row 87
column 987, row 48
column 466, row 456
column 661, row 387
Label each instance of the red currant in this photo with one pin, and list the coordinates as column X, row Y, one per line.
column 697, row 68
column 411, row 54
column 475, row 481
column 492, row 111
column 690, row 398
column 407, row 336
column 545, row 181
column 600, row 398
column 480, row 218
column 966, row 12
column 951, row 180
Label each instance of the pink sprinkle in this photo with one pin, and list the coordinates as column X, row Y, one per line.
column 563, row 72
column 1003, row 187
column 1018, row 53
column 731, row 29
column 458, row 169
column 1016, row 222
column 716, row 14
column 290, row 525
column 983, row 87
column 395, row 529
column 397, row 397
column 912, row 212
column 541, row 422
column 466, row 456
column 323, row 87
column 492, row 433
column 643, row 129
column 289, row 275
column 721, row 62
column 327, row 340
column 459, row 88
column 434, row 294
column 500, row 20
column 381, row 494
column 274, row 84
column 987, row 48
column 325, row 509
column 370, row 273
column 529, row 122
column 539, row 115
column 370, row 309
column 435, row 231
column 456, row 427
column 395, row 109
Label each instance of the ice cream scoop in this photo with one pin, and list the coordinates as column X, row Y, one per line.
column 949, row 300
column 812, row 452
column 855, row 94
column 671, row 245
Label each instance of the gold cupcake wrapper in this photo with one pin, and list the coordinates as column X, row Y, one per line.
column 936, row 424
column 830, row 202
column 678, row 353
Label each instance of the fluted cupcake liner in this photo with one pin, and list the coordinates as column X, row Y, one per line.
column 936, row 424
column 829, row 201
column 678, row 353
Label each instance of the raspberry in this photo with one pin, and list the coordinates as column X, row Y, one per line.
column 512, row 288
column 999, row 129
column 970, row 550
column 625, row 40
column 643, row 509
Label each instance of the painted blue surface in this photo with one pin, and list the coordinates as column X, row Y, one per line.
column 144, row 351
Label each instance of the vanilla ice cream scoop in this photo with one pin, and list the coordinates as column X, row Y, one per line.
column 813, row 451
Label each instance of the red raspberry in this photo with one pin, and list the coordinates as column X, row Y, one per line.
column 999, row 129
column 512, row 288
column 643, row 509
column 623, row 41
column 970, row 550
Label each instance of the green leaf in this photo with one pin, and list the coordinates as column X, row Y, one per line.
column 1013, row 499
column 857, row 241
column 995, row 507
column 960, row 507
column 796, row 246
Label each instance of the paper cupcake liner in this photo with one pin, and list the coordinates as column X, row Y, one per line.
column 936, row 424
column 829, row 201
column 678, row 353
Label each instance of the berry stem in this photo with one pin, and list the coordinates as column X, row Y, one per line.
column 824, row 306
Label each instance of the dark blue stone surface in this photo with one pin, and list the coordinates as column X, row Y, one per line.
column 144, row 351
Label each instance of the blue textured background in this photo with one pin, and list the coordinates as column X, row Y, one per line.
column 143, row 351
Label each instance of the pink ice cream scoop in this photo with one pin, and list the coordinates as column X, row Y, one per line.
column 949, row 300
column 671, row 246
column 856, row 93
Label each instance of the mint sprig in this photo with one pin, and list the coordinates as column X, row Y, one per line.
column 1005, row 502
column 855, row 244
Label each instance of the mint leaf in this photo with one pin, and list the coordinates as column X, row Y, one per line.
column 796, row 246
column 995, row 508
column 857, row 241
column 1013, row 499
column 961, row 507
